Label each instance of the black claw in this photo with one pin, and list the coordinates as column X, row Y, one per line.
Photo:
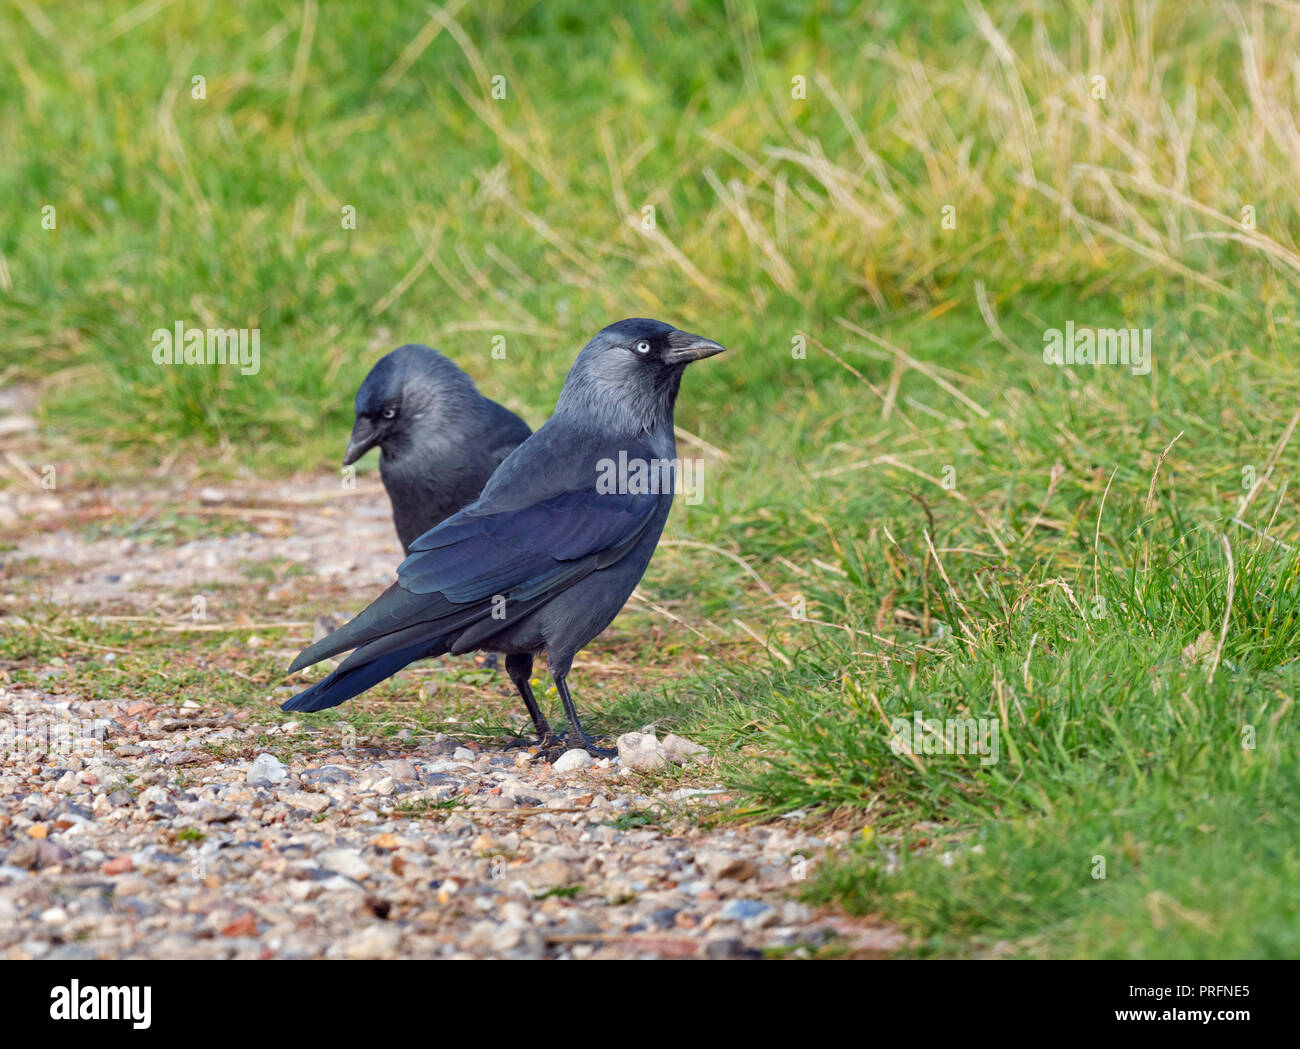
column 589, row 745
column 553, row 748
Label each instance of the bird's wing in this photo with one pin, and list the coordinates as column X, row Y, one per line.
column 503, row 431
column 491, row 568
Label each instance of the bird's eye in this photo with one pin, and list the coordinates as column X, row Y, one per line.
column 643, row 347
column 389, row 413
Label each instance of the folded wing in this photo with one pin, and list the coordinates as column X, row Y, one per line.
column 478, row 572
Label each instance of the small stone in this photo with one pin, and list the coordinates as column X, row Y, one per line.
column 338, row 883
column 640, row 751
column 479, row 936
column 326, row 775
column 51, row 854
column 753, row 914
column 457, row 824
column 729, row 947
column 347, row 862
column 400, row 769
column 573, row 760
column 131, row 885
column 182, row 757
column 485, row 845
column 266, row 771
column 376, row 941
column 154, row 796
column 682, row 751
column 664, row 918
column 516, row 940
column 244, row 925
column 117, row 865
column 314, row 803
column 550, row 874
column 23, row 855
column 462, row 754
column 103, row 779
column 722, row 865
column 215, row 814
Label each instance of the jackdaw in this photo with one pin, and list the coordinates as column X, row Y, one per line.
column 439, row 438
column 548, row 554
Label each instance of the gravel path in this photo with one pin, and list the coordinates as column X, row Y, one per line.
column 126, row 831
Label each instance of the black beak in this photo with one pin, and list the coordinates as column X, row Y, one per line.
column 365, row 435
column 683, row 348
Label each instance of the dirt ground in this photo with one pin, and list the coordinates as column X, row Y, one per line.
column 154, row 802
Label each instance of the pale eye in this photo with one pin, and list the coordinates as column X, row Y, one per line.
column 643, row 347
column 389, row 413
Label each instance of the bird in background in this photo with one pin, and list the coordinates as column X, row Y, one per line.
column 439, row 439
column 546, row 557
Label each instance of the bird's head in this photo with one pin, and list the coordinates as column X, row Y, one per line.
column 631, row 370
column 408, row 387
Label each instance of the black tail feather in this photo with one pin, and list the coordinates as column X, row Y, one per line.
column 343, row 684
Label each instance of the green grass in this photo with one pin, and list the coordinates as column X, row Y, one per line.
column 430, row 807
column 966, row 530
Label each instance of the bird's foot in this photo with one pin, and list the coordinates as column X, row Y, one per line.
column 556, row 746
column 551, row 748
column 586, row 743
column 546, row 740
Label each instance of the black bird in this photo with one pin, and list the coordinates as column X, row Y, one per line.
column 548, row 554
column 439, row 438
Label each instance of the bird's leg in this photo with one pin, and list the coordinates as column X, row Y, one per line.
column 519, row 665
column 571, row 712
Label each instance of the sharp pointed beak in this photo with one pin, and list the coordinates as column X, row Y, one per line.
column 365, row 435
column 683, row 348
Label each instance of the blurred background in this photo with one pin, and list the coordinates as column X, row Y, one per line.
column 735, row 168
